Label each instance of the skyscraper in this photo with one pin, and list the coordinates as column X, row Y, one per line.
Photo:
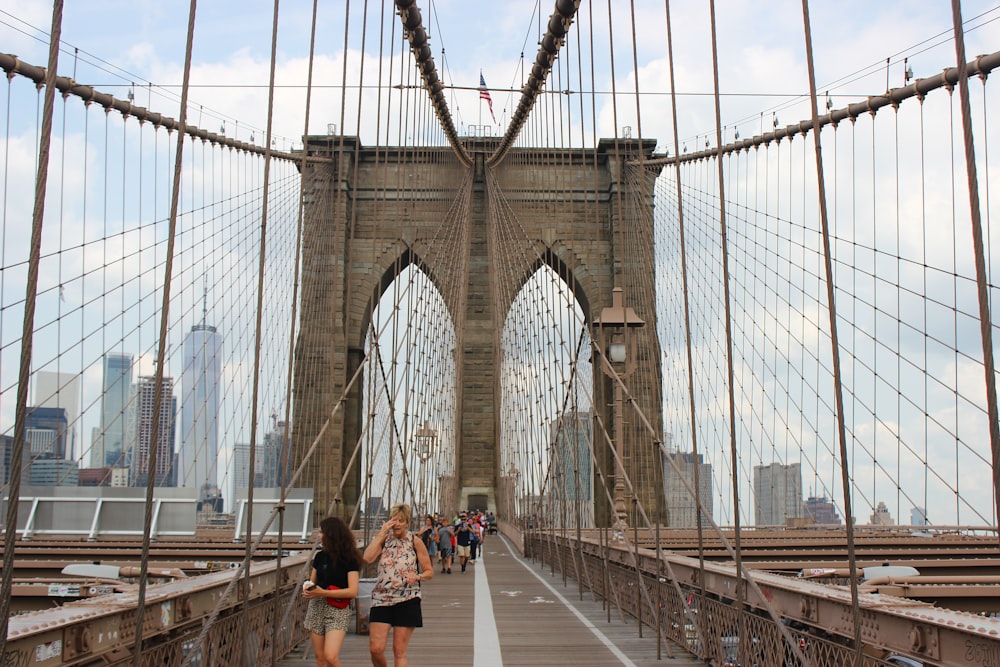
column 777, row 491
column 241, row 467
column 572, row 468
column 60, row 390
column 45, row 432
column 108, row 442
column 199, row 448
column 881, row 516
column 822, row 511
column 272, row 454
column 46, row 439
column 680, row 502
column 142, row 428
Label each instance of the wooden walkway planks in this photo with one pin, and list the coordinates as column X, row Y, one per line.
column 538, row 621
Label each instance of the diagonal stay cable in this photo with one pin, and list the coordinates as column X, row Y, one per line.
column 255, row 393
column 154, row 431
column 238, row 573
column 286, row 451
column 28, row 324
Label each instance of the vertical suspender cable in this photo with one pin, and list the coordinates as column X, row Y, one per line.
column 700, row 621
column 285, row 453
column 985, row 323
column 154, row 432
column 28, row 324
column 255, row 407
column 834, row 340
column 724, row 243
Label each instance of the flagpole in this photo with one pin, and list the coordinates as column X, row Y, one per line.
column 480, row 102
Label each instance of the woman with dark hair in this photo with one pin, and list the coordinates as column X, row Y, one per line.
column 331, row 586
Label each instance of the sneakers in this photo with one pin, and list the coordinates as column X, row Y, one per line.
column 449, row 570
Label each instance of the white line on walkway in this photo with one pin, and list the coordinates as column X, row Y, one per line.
column 486, row 646
column 583, row 619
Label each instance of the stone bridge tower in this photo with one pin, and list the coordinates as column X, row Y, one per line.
column 349, row 258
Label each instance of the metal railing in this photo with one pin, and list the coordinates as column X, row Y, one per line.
column 100, row 630
column 706, row 620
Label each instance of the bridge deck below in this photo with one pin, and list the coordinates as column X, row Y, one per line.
column 519, row 614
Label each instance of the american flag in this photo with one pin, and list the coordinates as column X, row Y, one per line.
column 484, row 94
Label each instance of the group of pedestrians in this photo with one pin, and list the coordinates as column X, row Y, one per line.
column 461, row 535
column 404, row 561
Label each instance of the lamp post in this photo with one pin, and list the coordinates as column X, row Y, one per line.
column 618, row 341
column 513, row 479
column 425, row 439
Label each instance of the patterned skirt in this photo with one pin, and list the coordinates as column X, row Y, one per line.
column 321, row 618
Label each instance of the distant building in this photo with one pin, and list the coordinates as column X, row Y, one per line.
column 7, row 443
column 199, row 448
column 881, row 516
column 108, row 440
column 241, row 465
column 54, row 472
column 211, row 504
column 119, row 477
column 374, row 506
column 777, row 490
column 145, row 396
column 918, row 517
column 821, row 511
column 572, row 466
column 678, row 468
column 274, row 454
column 46, row 432
column 60, row 391
column 268, row 470
column 106, row 476
column 95, row 476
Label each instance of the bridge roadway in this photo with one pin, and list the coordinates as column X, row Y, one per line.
column 519, row 613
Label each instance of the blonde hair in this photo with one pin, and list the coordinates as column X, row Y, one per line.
column 401, row 508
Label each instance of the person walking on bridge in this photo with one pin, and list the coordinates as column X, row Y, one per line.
column 332, row 585
column 463, row 537
column 403, row 563
column 445, row 535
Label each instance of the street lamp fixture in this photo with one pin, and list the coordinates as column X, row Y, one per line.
column 618, row 339
column 425, row 440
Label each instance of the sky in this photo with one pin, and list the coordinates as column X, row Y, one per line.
column 761, row 55
column 137, row 48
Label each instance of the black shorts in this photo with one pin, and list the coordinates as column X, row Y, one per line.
column 402, row 615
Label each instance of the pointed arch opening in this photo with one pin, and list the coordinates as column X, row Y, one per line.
column 408, row 445
column 546, row 452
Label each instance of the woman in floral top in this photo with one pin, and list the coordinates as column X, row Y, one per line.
column 403, row 563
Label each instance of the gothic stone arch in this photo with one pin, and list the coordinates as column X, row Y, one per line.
column 355, row 240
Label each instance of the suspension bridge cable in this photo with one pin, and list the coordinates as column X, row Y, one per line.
column 27, row 333
column 261, row 255
column 154, row 430
column 685, row 292
column 834, row 338
column 985, row 323
column 285, row 451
